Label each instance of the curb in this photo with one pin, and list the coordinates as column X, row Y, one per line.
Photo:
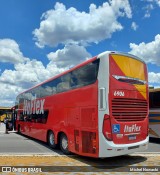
column 148, row 154
column 155, row 154
column 34, row 155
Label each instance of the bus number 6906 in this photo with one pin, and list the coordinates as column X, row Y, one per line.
column 119, row 93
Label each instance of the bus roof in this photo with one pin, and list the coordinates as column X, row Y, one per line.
column 121, row 53
column 83, row 63
column 3, row 108
column 154, row 90
column 63, row 73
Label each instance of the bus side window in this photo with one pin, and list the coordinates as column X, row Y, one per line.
column 65, row 83
column 48, row 88
column 45, row 116
column 42, row 118
column 21, row 118
column 54, row 90
column 85, row 75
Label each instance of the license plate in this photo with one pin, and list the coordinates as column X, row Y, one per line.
column 132, row 137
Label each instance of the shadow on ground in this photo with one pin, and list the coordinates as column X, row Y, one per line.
column 118, row 164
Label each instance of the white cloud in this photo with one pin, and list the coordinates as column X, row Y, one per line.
column 149, row 52
column 134, row 26
column 154, row 77
column 148, row 8
column 10, row 52
column 70, row 56
column 61, row 25
column 151, row 4
column 154, row 1
column 9, row 94
column 158, row 2
column 24, row 76
column 32, row 72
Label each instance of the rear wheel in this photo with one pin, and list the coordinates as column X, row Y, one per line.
column 64, row 144
column 51, row 140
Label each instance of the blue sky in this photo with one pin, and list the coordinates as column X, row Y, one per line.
column 41, row 38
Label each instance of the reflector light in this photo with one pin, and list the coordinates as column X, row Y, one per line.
column 109, row 149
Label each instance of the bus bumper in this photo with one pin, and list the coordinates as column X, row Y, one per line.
column 109, row 149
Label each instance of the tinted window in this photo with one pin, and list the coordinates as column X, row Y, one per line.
column 85, row 75
column 78, row 78
column 19, row 99
column 35, row 118
column 154, row 99
column 49, row 88
column 64, row 83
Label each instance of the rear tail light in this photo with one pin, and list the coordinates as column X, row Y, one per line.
column 107, row 131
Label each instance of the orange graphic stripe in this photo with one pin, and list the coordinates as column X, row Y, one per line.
column 132, row 68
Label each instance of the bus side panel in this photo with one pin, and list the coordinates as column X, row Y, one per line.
column 154, row 113
column 76, row 114
column 154, row 123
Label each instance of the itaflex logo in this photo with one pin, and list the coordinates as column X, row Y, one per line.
column 116, row 128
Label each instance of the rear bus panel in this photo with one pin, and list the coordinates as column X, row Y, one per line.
column 126, row 93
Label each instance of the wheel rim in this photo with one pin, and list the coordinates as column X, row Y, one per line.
column 51, row 139
column 64, row 143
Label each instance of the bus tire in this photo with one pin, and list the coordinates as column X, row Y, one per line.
column 51, row 139
column 64, row 144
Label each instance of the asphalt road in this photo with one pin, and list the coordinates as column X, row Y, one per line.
column 21, row 151
column 14, row 143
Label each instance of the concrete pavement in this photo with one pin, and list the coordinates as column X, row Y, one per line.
column 53, row 161
column 2, row 127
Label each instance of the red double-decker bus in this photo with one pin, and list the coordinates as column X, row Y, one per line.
column 98, row 108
